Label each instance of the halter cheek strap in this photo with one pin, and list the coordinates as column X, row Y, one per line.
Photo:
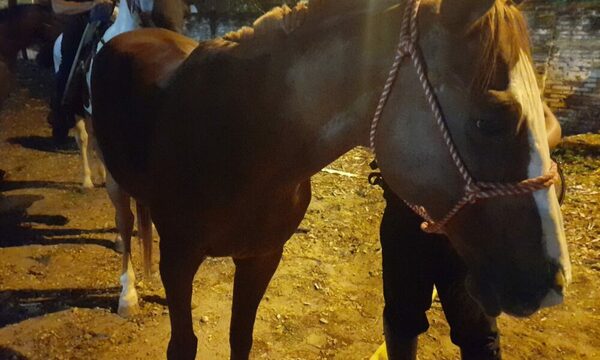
column 473, row 190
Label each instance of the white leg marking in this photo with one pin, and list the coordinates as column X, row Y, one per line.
column 128, row 301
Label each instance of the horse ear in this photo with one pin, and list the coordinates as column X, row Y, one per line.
column 461, row 14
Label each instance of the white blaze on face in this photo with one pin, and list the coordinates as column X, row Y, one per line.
column 523, row 85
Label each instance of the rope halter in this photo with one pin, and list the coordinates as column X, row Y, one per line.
column 473, row 191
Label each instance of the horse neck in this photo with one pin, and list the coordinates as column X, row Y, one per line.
column 333, row 77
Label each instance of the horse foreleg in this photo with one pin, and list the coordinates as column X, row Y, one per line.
column 83, row 142
column 178, row 265
column 128, row 301
column 252, row 276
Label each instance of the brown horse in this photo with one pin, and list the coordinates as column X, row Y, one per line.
column 222, row 147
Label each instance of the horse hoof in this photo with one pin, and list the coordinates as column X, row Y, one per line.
column 128, row 311
column 88, row 184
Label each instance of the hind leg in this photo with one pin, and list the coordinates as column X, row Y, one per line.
column 128, row 301
column 123, row 215
column 82, row 138
column 252, row 276
column 94, row 150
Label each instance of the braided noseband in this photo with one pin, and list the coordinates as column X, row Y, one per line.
column 474, row 190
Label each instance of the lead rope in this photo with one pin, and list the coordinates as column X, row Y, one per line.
column 474, row 191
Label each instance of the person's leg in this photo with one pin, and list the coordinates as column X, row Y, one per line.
column 470, row 328
column 407, row 278
column 62, row 116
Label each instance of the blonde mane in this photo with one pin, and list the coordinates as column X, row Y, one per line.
column 502, row 28
column 279, row 19
column 283, row 20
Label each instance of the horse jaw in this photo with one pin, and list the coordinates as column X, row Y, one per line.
column 524, row 85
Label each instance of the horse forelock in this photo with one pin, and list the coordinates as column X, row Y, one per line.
column 503, row 33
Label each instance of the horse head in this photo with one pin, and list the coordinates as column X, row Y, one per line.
column 477, row 60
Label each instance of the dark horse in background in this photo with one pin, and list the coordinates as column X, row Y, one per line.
column 270, row 106
column 23, row 26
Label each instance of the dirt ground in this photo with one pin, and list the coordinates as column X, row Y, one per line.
column 59, row 273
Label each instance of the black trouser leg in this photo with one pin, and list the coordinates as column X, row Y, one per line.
column 413, row 261
column 470, row 328
column 407, row 279
column 62, row 117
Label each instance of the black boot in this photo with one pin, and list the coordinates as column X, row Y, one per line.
column 60, row 133
column 399, row 348
column 61, row 119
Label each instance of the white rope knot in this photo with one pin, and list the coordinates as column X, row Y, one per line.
column 472, row 192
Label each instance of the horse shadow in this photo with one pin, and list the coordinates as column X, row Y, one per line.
column 17, row 305
column 45, row 144
column 17, row 230
column 23, row 304
column 10, row 354
column 9, row 185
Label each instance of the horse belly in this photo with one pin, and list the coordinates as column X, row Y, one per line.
column 261, row 226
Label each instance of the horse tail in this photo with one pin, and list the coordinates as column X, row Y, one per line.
column 145, row 236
